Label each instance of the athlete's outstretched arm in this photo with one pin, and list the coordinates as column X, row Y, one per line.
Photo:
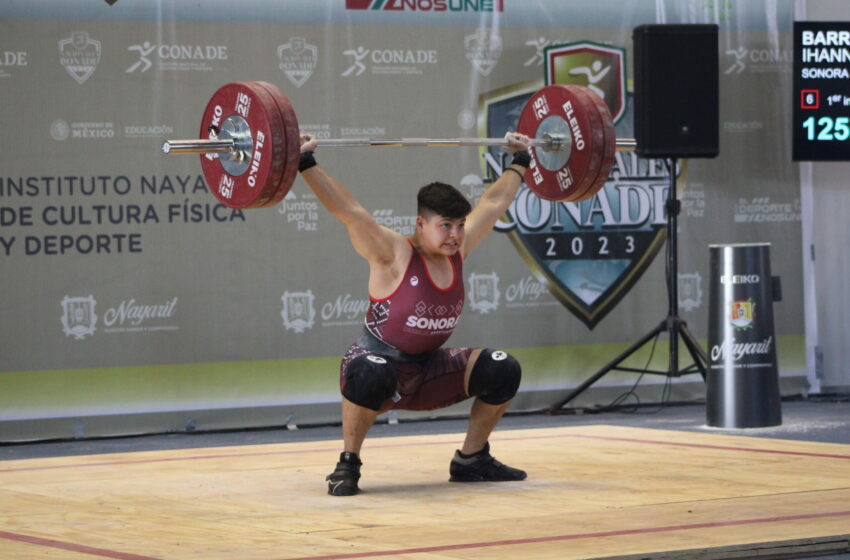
column 496, row 198
column 371, row 240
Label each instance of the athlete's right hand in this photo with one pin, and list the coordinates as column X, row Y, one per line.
column 308, row 143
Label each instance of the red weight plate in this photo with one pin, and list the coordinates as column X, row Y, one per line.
column 277, row 150
column 610, row 147
column 255, row 185
column 595, row 142
column 291, row 142
column 599, row 136
column 567, row 181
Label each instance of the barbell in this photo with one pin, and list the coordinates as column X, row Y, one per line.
column 250, row 155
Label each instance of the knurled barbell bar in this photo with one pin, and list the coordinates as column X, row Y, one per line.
column 250, row 156
column 230, row 145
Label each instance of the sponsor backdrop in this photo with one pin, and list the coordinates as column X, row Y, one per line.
column 128, row 290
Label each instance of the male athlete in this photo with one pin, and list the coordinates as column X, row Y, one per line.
column 416, row 296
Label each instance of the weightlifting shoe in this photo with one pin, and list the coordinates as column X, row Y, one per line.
column 481, row 467
column 343, row 481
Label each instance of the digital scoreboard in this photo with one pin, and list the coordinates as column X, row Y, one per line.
column 821, row 99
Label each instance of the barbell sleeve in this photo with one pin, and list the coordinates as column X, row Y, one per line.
column 200, row 146
column 626, row 144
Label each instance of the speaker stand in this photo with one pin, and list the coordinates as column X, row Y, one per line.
column 673, row 325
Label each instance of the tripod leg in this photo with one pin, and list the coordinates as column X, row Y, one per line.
column 611, row 365
column 673, row 360
column 672, row 325
column 697, row 353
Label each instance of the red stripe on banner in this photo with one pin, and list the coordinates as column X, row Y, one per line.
column 577, row 536
column 392, row 445
column 50, row 543
column 357, row 4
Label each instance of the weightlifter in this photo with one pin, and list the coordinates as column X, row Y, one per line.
column 416, row 295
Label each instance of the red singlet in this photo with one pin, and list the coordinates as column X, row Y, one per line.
column 418, row 316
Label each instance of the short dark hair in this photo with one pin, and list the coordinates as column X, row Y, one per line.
column 445, row 200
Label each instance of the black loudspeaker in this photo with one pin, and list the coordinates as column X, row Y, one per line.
column 677, row 94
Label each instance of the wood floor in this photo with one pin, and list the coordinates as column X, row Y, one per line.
column 592, row 492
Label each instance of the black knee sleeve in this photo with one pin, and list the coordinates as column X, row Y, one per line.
column 369, row 381
column 495, row 377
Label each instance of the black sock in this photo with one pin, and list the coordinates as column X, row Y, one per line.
column 349, row 457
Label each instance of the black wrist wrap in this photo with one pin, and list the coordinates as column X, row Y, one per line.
column 306, row 162
column 522, row 158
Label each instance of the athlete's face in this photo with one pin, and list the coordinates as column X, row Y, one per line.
column 439, row 234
